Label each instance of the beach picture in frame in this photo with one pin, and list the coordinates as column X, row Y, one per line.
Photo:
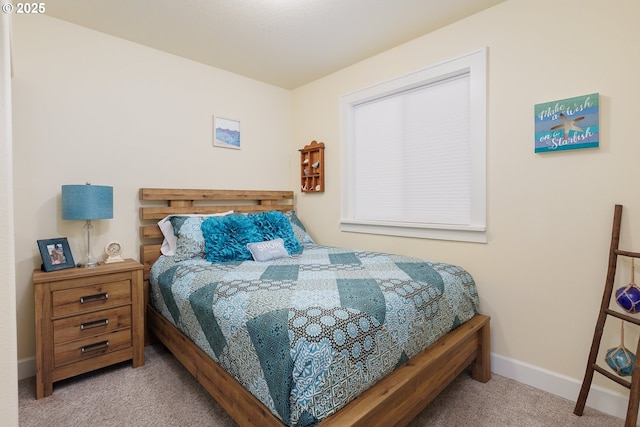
column 567, row 124
column 56, row 254
column 226, row 133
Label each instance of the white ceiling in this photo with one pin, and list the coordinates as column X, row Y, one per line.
column 286, row 43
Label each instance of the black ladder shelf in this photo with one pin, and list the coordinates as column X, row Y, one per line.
column 592, row 366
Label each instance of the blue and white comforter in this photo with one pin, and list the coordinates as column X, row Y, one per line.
column 309, row 333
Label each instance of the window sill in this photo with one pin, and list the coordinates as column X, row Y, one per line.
column 473, row 234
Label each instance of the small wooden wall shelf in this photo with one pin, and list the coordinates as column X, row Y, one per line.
column 312, row 168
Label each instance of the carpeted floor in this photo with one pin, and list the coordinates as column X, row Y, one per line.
column 163, row 393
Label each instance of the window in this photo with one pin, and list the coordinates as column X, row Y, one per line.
column 414, row 154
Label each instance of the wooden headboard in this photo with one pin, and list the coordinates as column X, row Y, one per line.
column 157, row 203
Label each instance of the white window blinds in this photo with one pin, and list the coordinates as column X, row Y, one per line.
column 414, row 153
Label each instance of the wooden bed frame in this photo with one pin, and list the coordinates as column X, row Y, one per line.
column 395, row 400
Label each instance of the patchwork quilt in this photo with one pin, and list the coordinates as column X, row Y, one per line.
column 308, row 333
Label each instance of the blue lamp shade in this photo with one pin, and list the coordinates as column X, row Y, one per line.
column 87, row 202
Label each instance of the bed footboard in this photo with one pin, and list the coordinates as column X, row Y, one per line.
column 395, row 400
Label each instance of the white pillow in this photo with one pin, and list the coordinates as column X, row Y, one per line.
column 265, row 251
column 170, row 239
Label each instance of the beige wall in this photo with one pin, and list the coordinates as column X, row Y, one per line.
column 541, row 274
column 90, row 107
column 8, row 368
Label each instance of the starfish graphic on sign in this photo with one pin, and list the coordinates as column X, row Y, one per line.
column 568, row 125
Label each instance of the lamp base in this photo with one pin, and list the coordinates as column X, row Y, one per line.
column 89, row 261
column 87, row 264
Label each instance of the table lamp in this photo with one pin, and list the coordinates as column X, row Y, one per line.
column 87, row 202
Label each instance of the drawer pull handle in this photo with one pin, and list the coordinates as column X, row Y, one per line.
column 97, row 346
column 94, row 297
column 94, row 324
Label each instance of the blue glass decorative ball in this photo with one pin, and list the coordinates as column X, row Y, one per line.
column 621, row 360
column 628, row 298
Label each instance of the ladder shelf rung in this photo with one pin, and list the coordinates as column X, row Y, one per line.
column 611, row 376
column 622, row 316
column 627, row 253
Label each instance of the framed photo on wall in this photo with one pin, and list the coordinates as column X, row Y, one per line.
column 56, row 254
column 226, row 133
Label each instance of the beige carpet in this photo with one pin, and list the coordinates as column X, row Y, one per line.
column 163, row 393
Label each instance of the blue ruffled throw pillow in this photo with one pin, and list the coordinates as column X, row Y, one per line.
column 273, row 225
column 226, row 238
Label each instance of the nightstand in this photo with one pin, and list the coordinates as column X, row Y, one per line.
column 86, row 319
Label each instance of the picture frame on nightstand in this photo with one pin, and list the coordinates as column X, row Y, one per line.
column 55, row 254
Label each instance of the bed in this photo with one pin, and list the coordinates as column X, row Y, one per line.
column 310, row 364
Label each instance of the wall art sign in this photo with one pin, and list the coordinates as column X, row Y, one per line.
column 226, row 133
column 567, row 124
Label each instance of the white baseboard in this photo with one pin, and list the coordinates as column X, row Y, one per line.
column 26, row 368
column 602, row 399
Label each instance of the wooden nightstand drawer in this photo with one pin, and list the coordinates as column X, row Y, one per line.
column 94, row 297
column 91, row 324
column 75, row 351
